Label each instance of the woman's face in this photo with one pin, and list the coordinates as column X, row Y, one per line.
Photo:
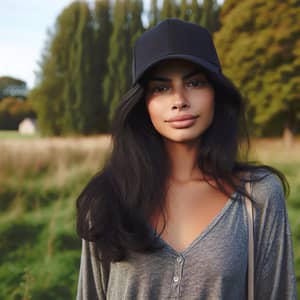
column 180, row 100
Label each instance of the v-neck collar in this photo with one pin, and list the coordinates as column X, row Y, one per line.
column 203, row 233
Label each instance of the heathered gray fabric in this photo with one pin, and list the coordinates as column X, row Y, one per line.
column 214, row 266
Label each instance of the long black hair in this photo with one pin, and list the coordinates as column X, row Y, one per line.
column 115, row 207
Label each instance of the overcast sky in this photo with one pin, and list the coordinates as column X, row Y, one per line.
column 23, row 28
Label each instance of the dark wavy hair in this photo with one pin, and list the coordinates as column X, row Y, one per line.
column 115, row 207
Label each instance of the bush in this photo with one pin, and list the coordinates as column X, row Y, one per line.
column 13, row 111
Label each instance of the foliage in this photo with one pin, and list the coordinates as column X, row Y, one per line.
column 169, row 10
column 103, row 28
column 196, row 12
column 67, row 96
column 259, row 46
column 39, row 249
column 184, row 12
column 13, row 111
column 47, row 96
column 12, row 87
column 127, row 25
column 78, row 94
column 210, row 15
column 153, row 14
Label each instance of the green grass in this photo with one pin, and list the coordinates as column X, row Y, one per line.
column 14, row 134
column 39, row 249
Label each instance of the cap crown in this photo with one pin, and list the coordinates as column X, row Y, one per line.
column 174, row 38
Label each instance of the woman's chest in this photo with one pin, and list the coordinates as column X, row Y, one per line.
column 214, row 263
column 189, row 212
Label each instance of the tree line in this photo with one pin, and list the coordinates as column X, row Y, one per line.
column 86, row 63
column 14, row 107
column 259, row 45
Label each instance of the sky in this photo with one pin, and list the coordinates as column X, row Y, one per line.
column 23, row 32
column 23, row 28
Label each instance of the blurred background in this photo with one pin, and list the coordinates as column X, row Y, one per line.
column 64, row 66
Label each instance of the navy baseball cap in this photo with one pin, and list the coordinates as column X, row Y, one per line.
column 177, row 39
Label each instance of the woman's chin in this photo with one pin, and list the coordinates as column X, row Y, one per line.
column 182, row 138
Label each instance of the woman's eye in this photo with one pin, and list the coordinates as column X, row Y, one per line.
column 196, row 83
column 158, row 89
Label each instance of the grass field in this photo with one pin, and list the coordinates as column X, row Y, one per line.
column 13, row 135
column 40, row 180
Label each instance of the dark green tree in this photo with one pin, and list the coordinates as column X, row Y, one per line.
column 13, row 111
column 135, row 29
column 114, row 81
column 169, row 10
column 78, row 89
column 195, row 12
column 127, row 26
column 47, row 96
column 210, row 15
column 184, row 10
column 103, row 28
column 153, row 15
column 259, row 48
column 65, row 96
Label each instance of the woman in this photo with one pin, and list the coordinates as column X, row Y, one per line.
column 165, row 217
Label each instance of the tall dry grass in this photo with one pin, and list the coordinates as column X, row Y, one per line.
column 275, row 150
column 22, row 158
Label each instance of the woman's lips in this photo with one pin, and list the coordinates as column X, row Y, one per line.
column 182, row 121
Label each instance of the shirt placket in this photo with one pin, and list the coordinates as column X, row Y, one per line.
column 177, row 276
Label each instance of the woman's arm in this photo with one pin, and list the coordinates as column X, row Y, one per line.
column 93, row 278
column 274, row 274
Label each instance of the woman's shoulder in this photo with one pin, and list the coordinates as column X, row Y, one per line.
column 265, row 179
column 267, row 190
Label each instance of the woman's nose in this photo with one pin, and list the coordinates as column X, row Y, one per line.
column 180, row 100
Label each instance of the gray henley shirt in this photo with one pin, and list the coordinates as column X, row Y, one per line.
column 213, row 267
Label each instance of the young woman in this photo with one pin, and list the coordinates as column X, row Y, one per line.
column 165, row 218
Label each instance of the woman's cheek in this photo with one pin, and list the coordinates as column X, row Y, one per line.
column 154, row 110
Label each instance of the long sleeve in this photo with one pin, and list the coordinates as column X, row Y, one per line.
column 93, row 278
column 274, row 262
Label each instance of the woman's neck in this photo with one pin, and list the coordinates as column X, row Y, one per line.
column 183, row 159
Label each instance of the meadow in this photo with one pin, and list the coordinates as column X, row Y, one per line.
column 40, row 181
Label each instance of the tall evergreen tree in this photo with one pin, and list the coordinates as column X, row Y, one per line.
column 259, row 46
column 65, row 96
column 103, row 28
column 127, row 26
column 195, row 12
column 169, row 10
column 135, row 29
column 47, row 97
column 210, row 15
column 153, row 15
column 78, row 90
column 115, row 81
column 184, row 10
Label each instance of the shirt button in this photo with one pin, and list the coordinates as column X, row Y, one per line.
column 179, row 259
column 175, row 278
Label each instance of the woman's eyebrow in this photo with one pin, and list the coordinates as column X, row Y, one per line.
column 184, row 77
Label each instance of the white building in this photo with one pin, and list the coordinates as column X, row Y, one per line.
column 28, row 126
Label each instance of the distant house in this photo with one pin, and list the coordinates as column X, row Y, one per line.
column 28, row 126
